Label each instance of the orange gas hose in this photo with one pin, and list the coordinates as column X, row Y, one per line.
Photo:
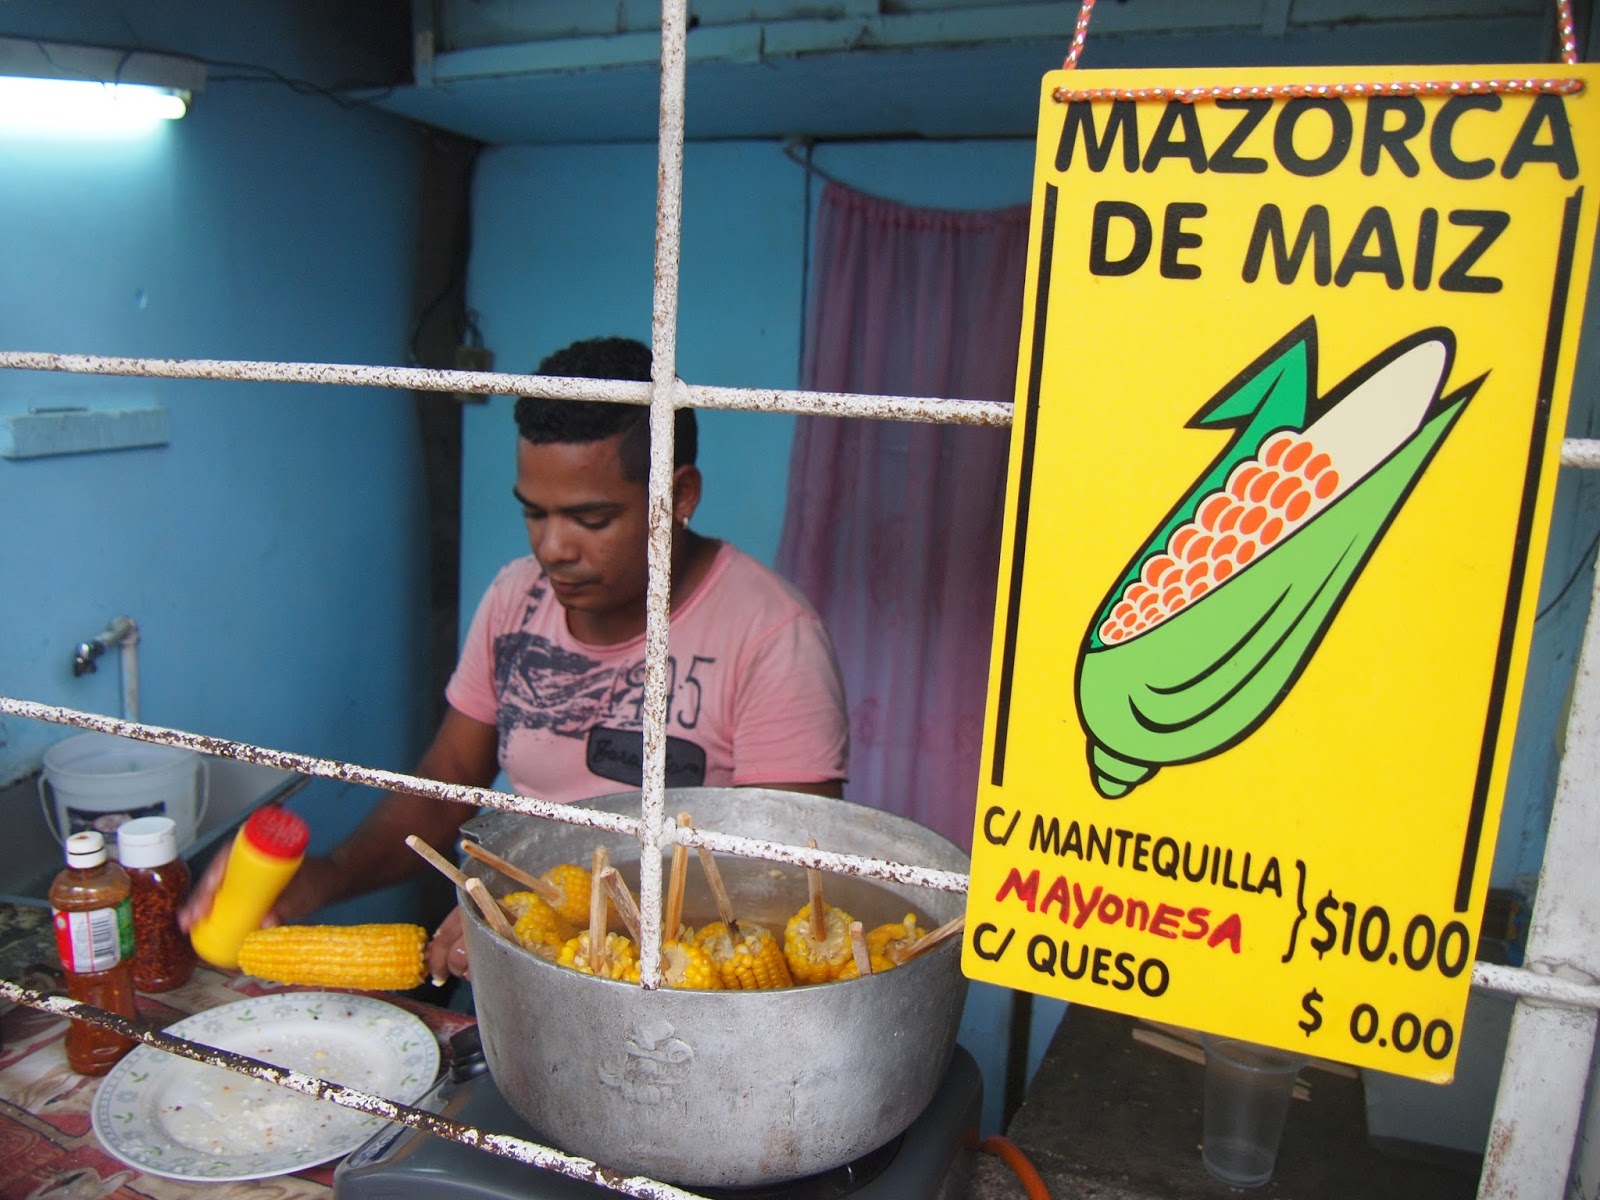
column 1008, row 1152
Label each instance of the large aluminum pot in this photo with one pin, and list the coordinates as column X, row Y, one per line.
column 723, row 1088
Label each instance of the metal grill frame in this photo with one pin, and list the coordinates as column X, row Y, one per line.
column 1547, row 1066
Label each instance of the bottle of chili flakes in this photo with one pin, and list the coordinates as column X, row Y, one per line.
column 148, row 849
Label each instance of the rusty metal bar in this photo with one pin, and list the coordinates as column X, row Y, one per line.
column 491, row 383
column 663, row 411
column 569, row 814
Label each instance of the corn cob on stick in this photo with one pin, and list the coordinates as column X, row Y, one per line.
column 684, row 963
column 538, row 928
column 622, row 900
column 818, row 960
column 672, row 921
column 749, row 958
column 618, row 957
column 594, row 951
column 816, row 941
column 884, row 947
column 892, row 940
column 929, row 941
column 542, row 888
column 369, row 957
column 597, row 911
column 572, row 885
column 475, row 889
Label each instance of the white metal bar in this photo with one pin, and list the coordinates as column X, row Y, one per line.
column 569, row 814
column 325, row 768
column 1522, row 981
column 663, row 379
column 492, row 383
column 1550, row 1050
column 1581, row 452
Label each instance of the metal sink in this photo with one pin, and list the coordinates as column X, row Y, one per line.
column 30, row 856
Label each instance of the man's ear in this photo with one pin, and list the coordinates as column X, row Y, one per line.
column 685, row 493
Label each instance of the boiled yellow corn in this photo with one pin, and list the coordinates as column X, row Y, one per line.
column 538, row 927
column 370, row 957
column 813, row 961
column 893, row 940
column 573, row 882
column 754, row 964
column 885, row 944
column 619, row 961
column 686, row 965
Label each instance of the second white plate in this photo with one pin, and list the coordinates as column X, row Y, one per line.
column 182, row 1119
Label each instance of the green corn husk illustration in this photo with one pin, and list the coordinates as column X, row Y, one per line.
column 1218, row 614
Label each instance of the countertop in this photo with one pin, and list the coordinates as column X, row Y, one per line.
column 1111, row 1118
column 48, row 1148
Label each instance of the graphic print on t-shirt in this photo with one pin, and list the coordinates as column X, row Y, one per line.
column 618, row 754
column 553, row 689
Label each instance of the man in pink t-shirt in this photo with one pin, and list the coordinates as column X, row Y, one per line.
column 550, row 683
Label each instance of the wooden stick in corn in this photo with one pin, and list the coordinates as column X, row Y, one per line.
column 597, row 910
column 491, row 910
column 437, row 861
column 858, row 947
column 622, row 900
column 487, row 904
column 541, row 888
column 675, row 885
column 819, row 917
column 928, row 941
column 719, row 890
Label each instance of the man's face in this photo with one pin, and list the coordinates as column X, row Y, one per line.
column 587, row 526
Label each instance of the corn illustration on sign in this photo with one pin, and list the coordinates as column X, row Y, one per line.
column 1294, row 377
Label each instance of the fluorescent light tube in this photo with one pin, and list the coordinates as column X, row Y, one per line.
column 86, row 106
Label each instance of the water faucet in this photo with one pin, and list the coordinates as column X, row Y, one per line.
column 83, row 657
column 122, row 632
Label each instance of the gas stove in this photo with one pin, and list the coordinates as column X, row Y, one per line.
column 931, row 1160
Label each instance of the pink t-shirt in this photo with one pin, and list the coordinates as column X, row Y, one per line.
column 754, row 692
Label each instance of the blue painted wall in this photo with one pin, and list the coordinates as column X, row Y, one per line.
column 273, row 552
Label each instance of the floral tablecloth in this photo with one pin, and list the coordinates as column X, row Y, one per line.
column 48, row 1149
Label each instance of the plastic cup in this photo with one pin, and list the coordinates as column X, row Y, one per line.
column 1248, row 1089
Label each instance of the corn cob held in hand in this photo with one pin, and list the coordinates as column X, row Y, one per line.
column 369, row 957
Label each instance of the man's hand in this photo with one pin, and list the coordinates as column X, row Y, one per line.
column 316, row 883
column 447, row 952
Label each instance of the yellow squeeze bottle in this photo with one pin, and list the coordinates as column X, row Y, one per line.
column 266, row 854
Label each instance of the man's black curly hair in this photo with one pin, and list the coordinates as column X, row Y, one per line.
column 545, row 421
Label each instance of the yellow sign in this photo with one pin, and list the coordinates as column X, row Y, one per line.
column 1294, row 380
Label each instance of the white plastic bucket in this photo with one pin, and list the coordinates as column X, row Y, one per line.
column 98, row 781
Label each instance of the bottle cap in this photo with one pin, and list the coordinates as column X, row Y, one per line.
column 86, row 849
column 147, row 841
column 276, row 831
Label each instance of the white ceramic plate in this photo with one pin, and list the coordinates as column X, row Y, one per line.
column 182, row 1119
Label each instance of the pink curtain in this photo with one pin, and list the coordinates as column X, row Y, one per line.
column 893, row 529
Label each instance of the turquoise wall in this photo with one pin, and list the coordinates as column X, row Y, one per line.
column 272, row 553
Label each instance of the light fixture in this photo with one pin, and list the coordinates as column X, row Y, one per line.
column 54, row 87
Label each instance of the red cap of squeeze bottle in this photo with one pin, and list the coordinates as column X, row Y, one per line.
column 276, row 831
